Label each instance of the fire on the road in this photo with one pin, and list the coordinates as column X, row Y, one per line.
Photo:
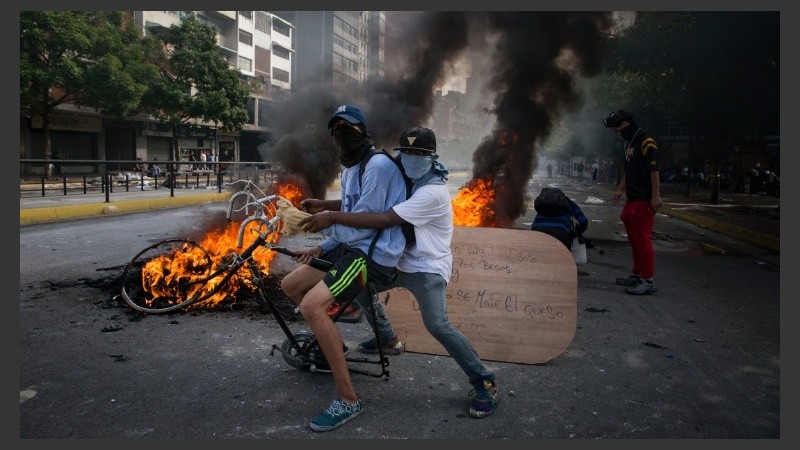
column 163, row 274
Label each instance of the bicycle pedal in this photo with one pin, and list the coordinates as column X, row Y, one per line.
column 321, row 369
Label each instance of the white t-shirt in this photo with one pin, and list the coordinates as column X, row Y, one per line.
column 431, row 213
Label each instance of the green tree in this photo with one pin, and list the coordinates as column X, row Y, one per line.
column 87, row 58
column 715, row 73
column 194, row 80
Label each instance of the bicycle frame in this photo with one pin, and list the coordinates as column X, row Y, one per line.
column 300, row 350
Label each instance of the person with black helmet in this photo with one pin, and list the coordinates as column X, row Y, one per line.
column 359, row 256
column 642, row 188
column 425, row 266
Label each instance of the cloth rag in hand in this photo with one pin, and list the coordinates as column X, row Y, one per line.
column 290, row 216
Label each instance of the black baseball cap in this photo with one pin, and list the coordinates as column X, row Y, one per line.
column 616, row 118
column 418, row 138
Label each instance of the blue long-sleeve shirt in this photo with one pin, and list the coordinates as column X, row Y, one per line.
column 563, row 222
column 382, row 186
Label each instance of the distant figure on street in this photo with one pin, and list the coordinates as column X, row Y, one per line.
column 549, row 170
column 154, row 170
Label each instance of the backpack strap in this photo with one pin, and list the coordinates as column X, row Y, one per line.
column 407, row 228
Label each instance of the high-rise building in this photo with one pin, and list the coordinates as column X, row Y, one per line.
column 337, row 50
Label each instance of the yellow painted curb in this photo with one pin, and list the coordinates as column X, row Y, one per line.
column 752, row 237
column 70, row 212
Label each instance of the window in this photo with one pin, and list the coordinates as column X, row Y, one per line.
column 245, row 37
column 245, row 64
column 280, row 52
column 246, row 14
column 280, row 75
column 280, row 27
column 251, row 111
column 262, row 113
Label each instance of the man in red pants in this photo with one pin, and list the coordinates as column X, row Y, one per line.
column 641, row 184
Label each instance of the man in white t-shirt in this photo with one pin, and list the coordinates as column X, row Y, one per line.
column 424, row 267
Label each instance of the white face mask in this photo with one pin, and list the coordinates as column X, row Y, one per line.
column 416, row 165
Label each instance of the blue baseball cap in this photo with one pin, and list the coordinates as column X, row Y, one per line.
column 349, row 113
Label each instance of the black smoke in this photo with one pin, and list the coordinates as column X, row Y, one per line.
column 533, row 60
column 536, row 60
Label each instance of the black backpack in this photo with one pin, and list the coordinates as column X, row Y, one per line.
column 551, row 202
column 408, row 229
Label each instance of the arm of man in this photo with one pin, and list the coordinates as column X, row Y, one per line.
column 315, row 205
column 655, row 182
column 580, row 218
column 620, row 190
column 325, row 219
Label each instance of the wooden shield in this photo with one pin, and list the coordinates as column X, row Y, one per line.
column 513, row 294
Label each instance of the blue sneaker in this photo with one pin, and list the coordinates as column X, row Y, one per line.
column 485, row 398
column 336, row 415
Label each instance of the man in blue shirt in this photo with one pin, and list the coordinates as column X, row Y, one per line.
column 359, row 256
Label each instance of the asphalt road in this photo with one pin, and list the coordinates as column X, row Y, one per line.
column 700, row 359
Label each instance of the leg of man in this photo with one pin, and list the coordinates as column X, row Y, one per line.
column 314, row 309
column 639, row 225
column 628, row 220
column 429, row 291
column 383, row 326
column 299, row 281
column 305, row 287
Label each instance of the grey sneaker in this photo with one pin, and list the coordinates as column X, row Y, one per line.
column 642, row 287
column 630, row 281
column 337, row 414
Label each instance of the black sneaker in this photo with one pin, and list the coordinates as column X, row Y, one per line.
column 630, row 281
column 394, row 347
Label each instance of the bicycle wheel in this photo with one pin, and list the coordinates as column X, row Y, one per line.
column 307, row 356
column 166, row 276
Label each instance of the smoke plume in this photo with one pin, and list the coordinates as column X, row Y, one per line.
column 533, row 59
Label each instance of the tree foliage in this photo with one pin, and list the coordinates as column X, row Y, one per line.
column 87, row 58
column 194, row 80
column 714, row 74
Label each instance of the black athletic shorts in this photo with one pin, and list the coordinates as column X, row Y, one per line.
column 352, row 271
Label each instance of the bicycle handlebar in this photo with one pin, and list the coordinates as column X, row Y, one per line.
column 317, row 263
column 272, row 224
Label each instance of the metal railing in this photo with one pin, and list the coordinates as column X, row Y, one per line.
column 79, row 177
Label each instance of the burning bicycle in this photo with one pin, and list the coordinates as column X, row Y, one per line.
column 180, row 274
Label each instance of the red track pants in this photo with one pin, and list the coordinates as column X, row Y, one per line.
column 638, row 217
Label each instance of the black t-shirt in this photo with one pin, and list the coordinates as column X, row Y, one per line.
column 641, row 158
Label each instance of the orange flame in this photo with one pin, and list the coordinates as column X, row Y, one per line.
column 472, row 206
column 162, row 274
column 290, row 192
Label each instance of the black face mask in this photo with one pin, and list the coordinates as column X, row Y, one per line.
column 353, row 144
column 629, row 132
